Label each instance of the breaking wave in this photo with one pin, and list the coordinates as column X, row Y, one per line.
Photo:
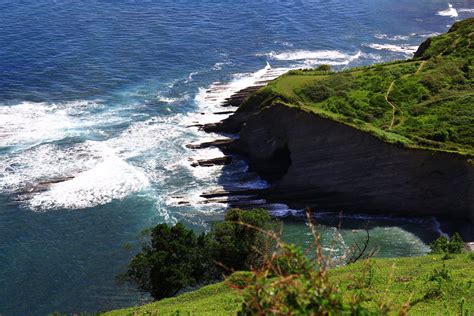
column 329, row 57
column 392, row 38
column 405, row 49
column 449, row 12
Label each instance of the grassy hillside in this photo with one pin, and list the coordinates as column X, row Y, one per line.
column 391, row 281
column 425, row 102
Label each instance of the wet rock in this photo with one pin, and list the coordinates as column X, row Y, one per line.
column 216, row 143
column 220, row 161
column 224, row 112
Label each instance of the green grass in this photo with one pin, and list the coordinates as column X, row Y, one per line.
column 433, row 95
column 394, row 281
column 407, row 280
column 216, row 299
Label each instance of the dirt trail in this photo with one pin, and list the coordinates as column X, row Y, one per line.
column 394, row 107
column 421, row 67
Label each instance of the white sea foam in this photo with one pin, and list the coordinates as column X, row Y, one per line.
column 30, row 123
column 219, row 65
column 93, row 173
column 24, row 169
column 111, row 178
column 329, row 57
column 89, row 162
column 209, row 99
column 169, row 100
column 191, row 76
column 392, row 38
column 426, row 35
column 405, row 49
column 449, row 12
column 287, row 44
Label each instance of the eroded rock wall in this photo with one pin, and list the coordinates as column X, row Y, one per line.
column 334, row 166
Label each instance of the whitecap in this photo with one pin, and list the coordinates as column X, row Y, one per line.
column 406, row 49
column 284, row 43
column 392, row 38
column 29, row 123
column 427, row 34
column 329, row 57
column 450, row 12
column 466, row 10
column 24, row 169
column 164, row 99
column 112, row 178
column 190, row 76
column 81, row 167
column 219, row 65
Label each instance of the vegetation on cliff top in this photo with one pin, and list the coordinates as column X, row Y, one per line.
column 424, row 102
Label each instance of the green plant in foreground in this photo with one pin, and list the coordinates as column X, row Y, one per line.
column 296, row 287
column 290, row 282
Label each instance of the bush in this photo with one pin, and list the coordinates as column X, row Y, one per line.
column 324, row 68
column 443, row 245
column 175, row 258
column 317, row 92
column 171, row 261
column 299, row 288
column 239, row 242
column 456, row 244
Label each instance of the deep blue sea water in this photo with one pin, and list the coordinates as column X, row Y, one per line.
column 99, row 95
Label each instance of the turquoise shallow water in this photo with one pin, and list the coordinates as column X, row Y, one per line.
column 99, row 95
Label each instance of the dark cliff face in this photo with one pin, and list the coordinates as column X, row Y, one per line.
column 314, row 161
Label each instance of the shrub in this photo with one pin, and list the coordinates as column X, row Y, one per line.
column 442, row 274
column 239, row 243
column 324, row 68
column 171, row 261
column 456, row 244
column 433, row 83
column 240, row 279
column 292, row 282
column 448, row 246
column 317, row 92
column 296, row 288
column 175, row 258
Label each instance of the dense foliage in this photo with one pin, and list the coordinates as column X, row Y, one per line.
column 175, row 258
column 236, row 244
column 448, row 246
column 172, row 261
column 424, row 102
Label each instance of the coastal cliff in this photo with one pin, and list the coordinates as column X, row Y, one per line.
column 380, row 157
column 319, row 162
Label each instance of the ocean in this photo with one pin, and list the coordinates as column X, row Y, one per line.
column 97, row 103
